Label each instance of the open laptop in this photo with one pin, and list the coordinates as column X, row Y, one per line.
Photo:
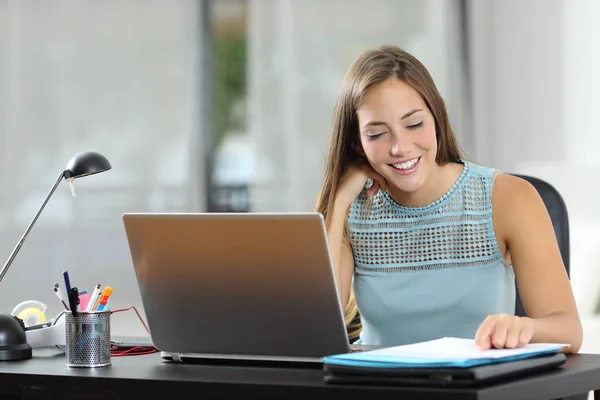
column 241, row 286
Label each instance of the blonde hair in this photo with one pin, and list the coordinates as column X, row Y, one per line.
column 371, row 68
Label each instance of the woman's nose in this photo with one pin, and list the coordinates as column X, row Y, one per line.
column 398, row 149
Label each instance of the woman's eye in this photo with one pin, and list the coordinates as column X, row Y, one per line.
column 415, row 126
column 375, row 135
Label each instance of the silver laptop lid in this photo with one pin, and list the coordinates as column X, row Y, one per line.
column 246, row 284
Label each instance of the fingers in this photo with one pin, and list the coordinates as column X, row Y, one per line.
column 519, row 334
column 484, row 333
column 373, row 189
column 379, row 182
column 382, row 183
column 526, row 332
column 512, row 337
column 503, row 332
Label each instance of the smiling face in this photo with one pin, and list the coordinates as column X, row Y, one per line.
column 397, row 134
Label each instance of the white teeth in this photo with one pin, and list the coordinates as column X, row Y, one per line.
column 406, row 165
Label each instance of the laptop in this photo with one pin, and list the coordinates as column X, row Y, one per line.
column 237, row 286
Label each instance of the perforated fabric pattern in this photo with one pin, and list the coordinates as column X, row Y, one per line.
column 454, row 231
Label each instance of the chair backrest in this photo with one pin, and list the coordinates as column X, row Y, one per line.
column 560, row 220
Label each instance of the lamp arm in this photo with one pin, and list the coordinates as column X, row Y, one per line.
column 18, row 246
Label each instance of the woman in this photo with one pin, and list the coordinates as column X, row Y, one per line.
column 427, row 243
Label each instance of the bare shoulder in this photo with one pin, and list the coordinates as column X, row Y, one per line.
column 511, row 189
column 515, row 201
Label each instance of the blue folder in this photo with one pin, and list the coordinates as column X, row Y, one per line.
column 433, row 354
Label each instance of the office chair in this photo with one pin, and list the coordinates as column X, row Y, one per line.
column 560, row 221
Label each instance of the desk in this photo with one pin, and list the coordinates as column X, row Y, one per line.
column 148, row 377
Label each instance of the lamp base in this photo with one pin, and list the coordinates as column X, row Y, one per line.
column 13, row 340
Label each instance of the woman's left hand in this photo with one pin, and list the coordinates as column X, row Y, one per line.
column 504, row 332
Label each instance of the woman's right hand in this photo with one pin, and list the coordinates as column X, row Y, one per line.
column 354, row 180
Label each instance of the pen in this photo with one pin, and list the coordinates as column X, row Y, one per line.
column 60, row 297
column 59, row 292
column 73, row 300
column 104, row 299
column 99, row 297
column 92, row 301
column 96, row 300
column 67, row 282
column 76, row 297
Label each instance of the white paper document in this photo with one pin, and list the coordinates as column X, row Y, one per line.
column 454, row 348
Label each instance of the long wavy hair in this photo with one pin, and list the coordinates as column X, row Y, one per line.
column 371, row 68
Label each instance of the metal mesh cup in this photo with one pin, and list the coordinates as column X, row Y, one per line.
column 87, row 338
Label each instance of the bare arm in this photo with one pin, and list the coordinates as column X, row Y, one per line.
column 523, row 224
column 352, row 184
column 341, row 252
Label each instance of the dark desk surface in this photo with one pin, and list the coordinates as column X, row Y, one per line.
column 148, row 376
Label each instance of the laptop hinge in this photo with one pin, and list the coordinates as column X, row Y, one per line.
column 176, row 357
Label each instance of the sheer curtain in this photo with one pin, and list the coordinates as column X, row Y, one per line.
column 115, row 77
column 298, row 54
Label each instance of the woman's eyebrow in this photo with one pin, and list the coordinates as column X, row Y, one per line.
column 408, row 114
column 379, row 123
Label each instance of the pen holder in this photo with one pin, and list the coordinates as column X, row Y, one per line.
column 87, row 338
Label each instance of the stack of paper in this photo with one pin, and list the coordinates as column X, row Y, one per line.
column 445, row 352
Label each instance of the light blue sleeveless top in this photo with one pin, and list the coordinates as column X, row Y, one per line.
column 423, row 273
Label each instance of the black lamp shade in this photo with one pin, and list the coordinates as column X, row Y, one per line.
column 13, row 340
column 87, row 163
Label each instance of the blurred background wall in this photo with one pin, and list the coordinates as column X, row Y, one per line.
column 225, row 105
column 118, row 77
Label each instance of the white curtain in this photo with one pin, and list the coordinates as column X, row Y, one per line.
column 116, row 77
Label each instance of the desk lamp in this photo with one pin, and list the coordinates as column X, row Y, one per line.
column 13, row 340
